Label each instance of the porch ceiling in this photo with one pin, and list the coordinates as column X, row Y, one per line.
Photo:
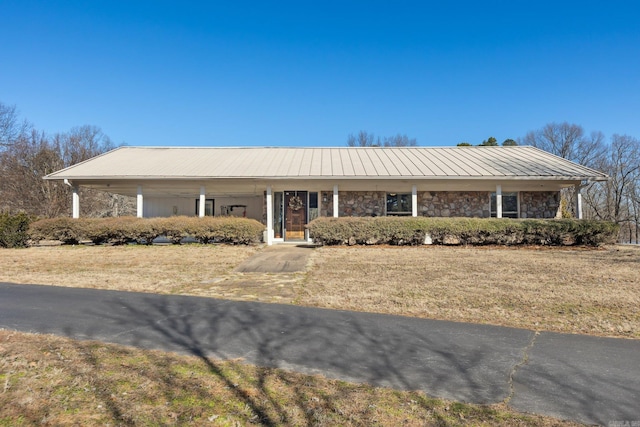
column 243, row 187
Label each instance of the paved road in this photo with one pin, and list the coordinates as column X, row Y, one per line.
column 587, row 379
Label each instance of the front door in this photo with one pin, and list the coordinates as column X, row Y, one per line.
column 295, row 214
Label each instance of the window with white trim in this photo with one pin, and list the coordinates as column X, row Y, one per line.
column 398, row 203
column 509, row 205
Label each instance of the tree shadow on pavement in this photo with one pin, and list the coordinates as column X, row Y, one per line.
column 391, row 351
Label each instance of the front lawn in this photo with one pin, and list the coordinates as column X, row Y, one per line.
column 586, row 291
column 575, row 290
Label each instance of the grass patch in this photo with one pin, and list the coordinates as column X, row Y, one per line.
column 58, row 381
column 576, row 290
column 579, row 290
column 156, row 269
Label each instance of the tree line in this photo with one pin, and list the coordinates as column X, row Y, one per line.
column 368, row 139
column 27, row 154
column 491, row 142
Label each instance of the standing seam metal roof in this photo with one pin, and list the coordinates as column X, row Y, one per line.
column 367, row 162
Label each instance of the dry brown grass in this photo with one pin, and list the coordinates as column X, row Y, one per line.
column 567, row 290
column 52, row 381
column 158, row 269
column 588, row 291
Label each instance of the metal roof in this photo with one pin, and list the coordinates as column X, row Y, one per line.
column 520, row 162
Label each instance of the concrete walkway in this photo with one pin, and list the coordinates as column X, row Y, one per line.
column 283, row 258
column 586, row 379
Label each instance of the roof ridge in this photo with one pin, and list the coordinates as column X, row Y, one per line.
column 192, row 147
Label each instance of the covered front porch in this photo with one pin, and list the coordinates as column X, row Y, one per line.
column 285, row 207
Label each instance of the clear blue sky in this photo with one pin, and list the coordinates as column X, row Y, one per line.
column 308, row 73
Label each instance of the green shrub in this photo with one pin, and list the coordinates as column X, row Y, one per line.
column 144, row 230
column 13, row 230
column 461, row 231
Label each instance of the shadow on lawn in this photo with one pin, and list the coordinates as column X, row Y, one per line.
column 390, row 351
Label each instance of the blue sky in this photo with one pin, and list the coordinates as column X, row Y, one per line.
column 305, row 73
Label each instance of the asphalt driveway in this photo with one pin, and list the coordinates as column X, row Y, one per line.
column 587, row 379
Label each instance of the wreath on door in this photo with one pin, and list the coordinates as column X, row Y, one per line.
column 295, row 203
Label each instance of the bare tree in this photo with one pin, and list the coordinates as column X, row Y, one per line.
column 367, row 139
column 400, row 141
column 613, row 200
column 634, row 234
column 11, row 127
column 22, row 165
column 568, row 141
column 32, row 155
column 363, row 139
column 82, row 143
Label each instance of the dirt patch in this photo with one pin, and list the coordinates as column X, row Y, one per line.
column 264, row 287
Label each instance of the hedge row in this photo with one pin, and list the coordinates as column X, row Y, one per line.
column 145, row 230
column 13, row 230
column 461, row 231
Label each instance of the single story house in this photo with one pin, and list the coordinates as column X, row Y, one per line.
column 286, row 188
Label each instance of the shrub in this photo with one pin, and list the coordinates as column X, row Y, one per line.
column 66, row 230
column 115, row 231
column 145, row 230
column 457, row 231
column 226, row 230
column 13, row 230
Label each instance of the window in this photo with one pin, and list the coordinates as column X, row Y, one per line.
column 509, row 205
column 277, row 214
column 398, row 203
column 208, row 207
column 313, row 206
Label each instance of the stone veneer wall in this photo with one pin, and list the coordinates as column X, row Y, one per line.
column 361, row 203
column 533, row 204
column 353, row 203
column 540, row 204
column 454, row 203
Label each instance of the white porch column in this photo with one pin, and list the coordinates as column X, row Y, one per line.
column 498, row 201
column 269, row 216
column 335, row 201
column 75, row 199
column 75, row 204
column 414, row 201
column 139, row 203
column 578, row 202
column 202, row 202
